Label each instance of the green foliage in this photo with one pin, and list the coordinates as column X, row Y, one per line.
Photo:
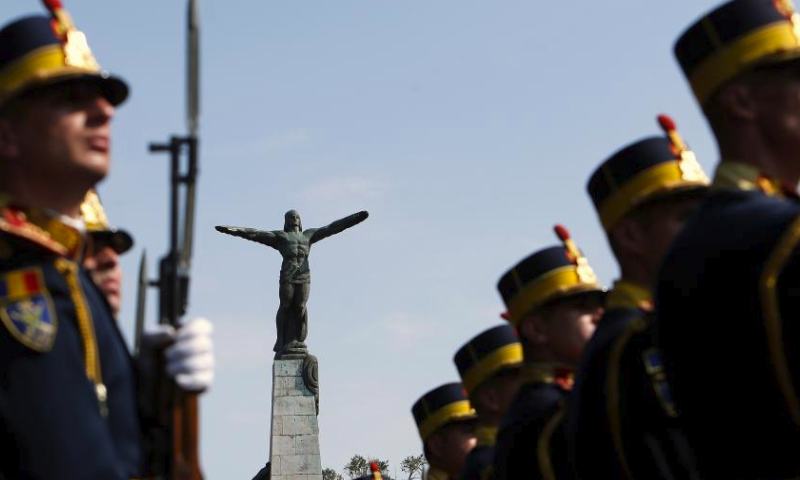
column 330, row 474
column 413, row 465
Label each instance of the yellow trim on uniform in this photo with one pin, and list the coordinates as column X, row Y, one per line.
column 435, row 473
column 732, row 175
column 777, row 38
column 627, row 294
column 543, row 445
column 504, row 357
column 83, row 317
column 556, row 283
column 613, row 409
column 487, row 436
column 544, row 372
column 658, row 179
column 773, row 267
column 460, row 410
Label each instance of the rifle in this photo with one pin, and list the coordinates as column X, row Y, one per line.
column 174, row 431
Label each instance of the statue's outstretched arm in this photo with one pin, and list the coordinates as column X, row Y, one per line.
column 337, row 226
column 252, row 234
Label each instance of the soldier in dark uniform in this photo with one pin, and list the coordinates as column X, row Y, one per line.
column 446, row 423
column 554, row 301
column 620, row 421
column 107, row 244
column 67, row 391
column 374, row 474
column 489, row 366
column 727, row 292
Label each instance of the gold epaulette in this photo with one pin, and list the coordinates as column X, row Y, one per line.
column 40, row 229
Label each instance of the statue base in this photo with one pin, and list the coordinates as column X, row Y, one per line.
column 293, row 350
column 294, row 446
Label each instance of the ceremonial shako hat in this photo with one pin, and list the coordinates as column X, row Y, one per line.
column 375, row 473
column 441, row 406
column 647, row 170
column 547, row 275
column 737, row 37
column 39, row 50
column 94, row 216
column 487, row 354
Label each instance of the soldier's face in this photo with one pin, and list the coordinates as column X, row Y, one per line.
column 568, row 325
column 106, row 272
column 451, row 444
column 62, row 131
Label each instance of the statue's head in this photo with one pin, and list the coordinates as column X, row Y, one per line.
column 292, row 220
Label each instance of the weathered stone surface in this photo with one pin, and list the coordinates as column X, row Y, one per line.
column 305, row 464
column 294, row 447
column 300, row 425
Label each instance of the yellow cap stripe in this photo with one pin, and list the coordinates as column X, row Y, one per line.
column 772, row 39
column 448, row 413
column 41, row 64
column 554, row 283
column 660, row 178
column 505, row 356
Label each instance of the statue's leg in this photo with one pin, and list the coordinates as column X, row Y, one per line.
column 301, row 298
column 286, row 292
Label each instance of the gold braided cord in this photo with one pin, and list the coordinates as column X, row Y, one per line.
column 84, row 318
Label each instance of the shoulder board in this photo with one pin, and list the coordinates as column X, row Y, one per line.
column 27, row 310
column 16, row 224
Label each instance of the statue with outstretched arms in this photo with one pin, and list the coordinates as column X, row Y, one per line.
column 294, row 245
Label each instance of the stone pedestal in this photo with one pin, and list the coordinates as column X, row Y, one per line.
column 294, row 446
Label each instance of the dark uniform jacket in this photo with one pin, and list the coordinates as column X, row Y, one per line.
column 435, row 474
column 67, row 393
column 620, row 418
column 478, row 464
column 729, row 324
column 530, row 439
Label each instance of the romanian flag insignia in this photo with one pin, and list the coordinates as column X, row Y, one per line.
column 26, row 309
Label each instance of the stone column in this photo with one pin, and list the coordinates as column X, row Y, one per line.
column 294, row 446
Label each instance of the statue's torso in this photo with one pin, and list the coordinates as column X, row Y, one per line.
column 295, row 249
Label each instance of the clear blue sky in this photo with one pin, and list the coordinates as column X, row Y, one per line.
column 466, row 128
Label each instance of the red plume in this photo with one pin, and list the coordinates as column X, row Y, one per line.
column 505, row 316
column 374, row 467
column 53, row 4
column 667, row 124
column 562, row 232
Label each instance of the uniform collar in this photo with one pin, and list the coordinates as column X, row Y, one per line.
column 627, row 294
column 487, row 435
column 548, row 372
column 435, row 473
column 732, row 175
column 42, row 227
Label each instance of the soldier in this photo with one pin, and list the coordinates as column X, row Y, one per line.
column 68, row 397
column 620, row 420
column 727, row 291
column 375, row 473
column 554, row 302
column 489, row 366
column 446, row 423
column 106, row 246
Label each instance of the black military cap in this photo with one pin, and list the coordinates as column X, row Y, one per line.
column 651, row 168
column 38, row 50
column 487, row 354
column 98, row 227
column 546, row 275
column 441, row 406
column 734, row 38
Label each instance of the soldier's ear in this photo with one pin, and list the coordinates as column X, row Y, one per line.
column 736, row 101
column 9, row 147
column 627, row 238
column 533, row 328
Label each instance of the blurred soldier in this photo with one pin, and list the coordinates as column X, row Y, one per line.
column 375, row 473
column 620, row 417
column 727, row 291
column 68, row 397
column 489, row 366
column 554, row 302
column 103, row 252
column 446, row 423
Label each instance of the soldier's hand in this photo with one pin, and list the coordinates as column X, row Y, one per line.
column 190, row 359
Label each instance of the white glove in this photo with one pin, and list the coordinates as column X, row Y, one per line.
column 190, row 358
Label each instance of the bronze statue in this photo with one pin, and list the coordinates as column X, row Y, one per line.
column 294, row 244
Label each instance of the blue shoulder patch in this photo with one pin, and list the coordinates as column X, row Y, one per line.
column 26, row 309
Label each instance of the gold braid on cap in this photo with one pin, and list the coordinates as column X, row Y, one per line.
column 92, row 212
column 76, row 49
column 585, row 272
column 786, row 8
column 690, row 169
